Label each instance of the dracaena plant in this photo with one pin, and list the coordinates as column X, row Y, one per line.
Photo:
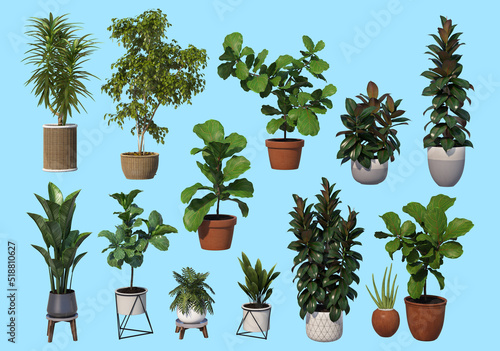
column 191, row 293
column 217, row 148
column 326, row 259
column 424, row 251
column 61, row 243
column 370, row 127
column 287, row 78
column 129, row 243
column 449, row 91
column 58, row 53
column 257, row 281
column 152, row 73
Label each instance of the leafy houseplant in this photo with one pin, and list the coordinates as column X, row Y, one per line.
column 257, row 287
column 151, row 73
column 58, row 53
column 61, row 245
column 216, row 231
column 370, row 140
column 385, row 319
column 446, row 140
column 286, row 79
column 192, row 300
column 424, row 252
column 326, row 262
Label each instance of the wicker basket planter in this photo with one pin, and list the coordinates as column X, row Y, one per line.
column 59, row 148
column 139, row 166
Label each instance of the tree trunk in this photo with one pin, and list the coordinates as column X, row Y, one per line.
column 132, row 277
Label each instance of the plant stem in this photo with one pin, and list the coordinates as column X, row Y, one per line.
column 218, row 201
column 132, row 277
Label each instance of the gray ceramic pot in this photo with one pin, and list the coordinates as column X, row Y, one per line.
column 62, row 305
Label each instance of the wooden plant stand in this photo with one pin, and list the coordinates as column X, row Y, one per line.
column 54, row 320
column 181, row 327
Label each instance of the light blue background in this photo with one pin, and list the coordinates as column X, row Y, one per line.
column 386, row 40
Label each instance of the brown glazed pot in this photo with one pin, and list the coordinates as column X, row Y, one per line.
column 59, row 148
column 284, row 153
column 425, row 320
column 216, row 234
column 139, row 166
column 385, row 322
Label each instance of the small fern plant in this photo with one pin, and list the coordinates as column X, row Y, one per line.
column 191, row 294
column 386, row 300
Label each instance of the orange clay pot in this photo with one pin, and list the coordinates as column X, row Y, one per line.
column 284, row 154
column 425, row 320
column 385, row 322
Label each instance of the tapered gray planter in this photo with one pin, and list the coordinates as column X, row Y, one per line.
column 446, row 167
column 62, row 305
column 369, row 176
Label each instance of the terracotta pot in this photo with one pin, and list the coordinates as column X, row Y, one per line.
column 319, row 327
column 126, row 300
column 374, row 175
column 284, row 153
column 139, row 166
column 385, row 322
column 446, row 167
column 425, row 320
column 62, row 305
column 256, row 318
column 59, row 148
column 216, row 234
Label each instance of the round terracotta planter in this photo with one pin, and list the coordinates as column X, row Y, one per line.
column 284, row 153
column 257, row 319
column 369, row 176
column 446, row 167
column 385, row 322
column 139, row 166
column 129, row 303
column 62, row 305
column 59, row 148
column 425, row 320
column 216, row 234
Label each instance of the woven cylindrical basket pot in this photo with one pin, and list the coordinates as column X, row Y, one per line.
column 59, row 148
column 140, row 167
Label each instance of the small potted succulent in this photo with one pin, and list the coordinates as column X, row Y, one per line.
column 58, row 52
column 257, row 313
column 216, row 230
column 61, row 246
column 424, row 252
column 326, row 262
column 151, row 73
column 446, row 141
column 128, row 245
column 370, row 140
column 385, row 319
column 192, row 300
column 287, row 80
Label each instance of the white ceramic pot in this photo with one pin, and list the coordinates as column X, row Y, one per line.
column 125, row 301
column 256, row 317
column 319, row 327
column 446, row 167
column 191, row 317
column 373, row 175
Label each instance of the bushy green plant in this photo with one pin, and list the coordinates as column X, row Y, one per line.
column 191, row 293
column 61, row 242
column 387, row 296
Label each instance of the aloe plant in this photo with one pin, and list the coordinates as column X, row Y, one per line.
column 387, row 297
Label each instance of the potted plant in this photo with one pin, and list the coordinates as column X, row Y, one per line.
column 257, row 313
column 61, row 246
column 216, row 230
column 151, row 73
column 446, row 140
column 370, row 139
column 128, row 245
column 326, row 262
column 385, row 319
column 58, row 52
column 424, row 252
column 192, row 300
column 286, row 79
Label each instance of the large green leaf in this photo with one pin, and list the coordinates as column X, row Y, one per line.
column 392, row 222
column 164, row 229
column 307, row 123
column 50, row 208
column 416, row 283
column 258, row 84
column 236, row 143
column 451, row 249
column 282, row 61
column 328, row 90
column 209, row 131
column 234, row 41
column 108, row 235
column 242, row 206
column 154, row 220
column 160, row 242
column 240, row 188
column 197, row 210
column 260, row 60
column 225, row 69
column 55, row 195
column 235, row 166
column 457, row 227
column 415, row 210
column 274, row 124
column 44, row 229
column 318, row 66
column 439, row 277
column 442, row 201
column 308, row 43
column 242, row 70
column 435, row 222
column 408, row 228
column 188, row 193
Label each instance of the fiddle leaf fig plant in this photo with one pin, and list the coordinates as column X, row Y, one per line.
column 424, row 251
column 370, row 127
column 191, row 293
column 152, row 73
column 286, row 79
column 326, row 259
column 449, row 91
column 129, row 243
column 217, row 148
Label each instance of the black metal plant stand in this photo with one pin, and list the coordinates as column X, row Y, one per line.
column 247, row 333
column 122, row 325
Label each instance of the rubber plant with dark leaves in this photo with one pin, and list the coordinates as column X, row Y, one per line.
column 370, row 127
column 449, row 91
column 217, row 148
column 326, row 260
column 128, row 244
column 425, row 250
column 151, row 73
column 285, row 78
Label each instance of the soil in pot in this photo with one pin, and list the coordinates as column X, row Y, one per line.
column 257, row 318
column 216, row 232
column 284, row 154
column 425, row 317
column 131, row 300
column 139, row 166
column 385, row 322
column 62, row 305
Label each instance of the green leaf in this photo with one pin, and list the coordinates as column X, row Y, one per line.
column 234, row 41
column 283, row 61
column 318, row 66
column 197, row 210
column 247, row 51
column 442, row 201
column 55, row 195
column 415, row 210
column 307, row 123
column 209, row 131
column 439, row 277
column 225, row 69
column 392, row 222
column 240, row 188
column 260, row 60
column 270, row 111
column 108, row 235
column 242, row 70
column 308, row 43
column 303, row 98
column 451, row 249
column 457, row 227
column 274, row 124
column 236, row 143
column 160, row 242
column 329, row 90
column 408, row 228
column 188, row 193
column 258, row 84
column 392, row 246
column 235, row 166
column 435, row 222
column 415, row 287
column 320, row 45
column 242, row 206
column 382, row 235
column 164, row 229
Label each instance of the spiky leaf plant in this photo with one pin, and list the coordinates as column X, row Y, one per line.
column 191, row 293
column 387, row 297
